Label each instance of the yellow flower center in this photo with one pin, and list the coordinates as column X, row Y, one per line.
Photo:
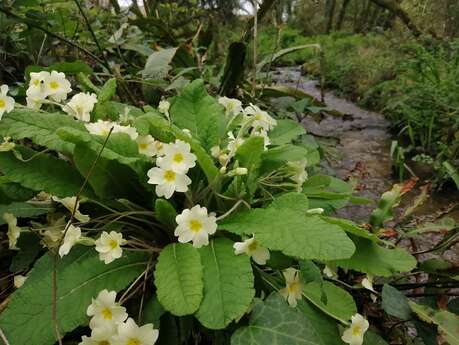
column 169, row 176
column 54, row 85
column 79, row 109
column 195, row 225
column 107, row 313
column 143, row 146
column 133, row 341
column 356, row 330
column 113, row 244
column 258, row 116
column 178, row 158
column 2, row 103
column 36, row 82
column 103, row 342
column 253, row 246
column 293, row 287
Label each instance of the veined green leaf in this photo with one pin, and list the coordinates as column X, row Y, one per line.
column 24, row 209
column 274, row 322
column 39, row 127
column 376, row 260
column 228, row 284
column 178, row 279
column 200, row 113
column 42, row 173
column 285, row 131
column 80, row 277
column 292, row 232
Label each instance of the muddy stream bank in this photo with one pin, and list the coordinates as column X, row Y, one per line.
column 358, row 145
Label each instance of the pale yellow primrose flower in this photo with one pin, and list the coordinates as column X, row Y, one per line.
column 14, row 231
column 6, row 102
column 260, row 118
column 147, row 145
column 81, row 105
column 72, row 235
column 99, row 336
column 105, row 311
column 168, row 181
column 367, row 282
column 7, row 145
column 232, row 106
column 109, row 246
column 253, row 249
column 195, row 225
column 131, row 334
column 355, row 333
column 69, row 204
column 294, row 287
column 36, row 89
column 56, row 86
column 19, row 280
column 177, row 157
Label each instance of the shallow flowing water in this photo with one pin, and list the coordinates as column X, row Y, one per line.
column 358, row 146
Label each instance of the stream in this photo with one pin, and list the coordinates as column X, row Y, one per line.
column 357, row 145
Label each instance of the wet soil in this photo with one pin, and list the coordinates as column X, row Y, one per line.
column 357, row 146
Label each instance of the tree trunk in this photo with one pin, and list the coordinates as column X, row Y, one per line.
column 342, row 14
column 395, row 8
column 330, row 7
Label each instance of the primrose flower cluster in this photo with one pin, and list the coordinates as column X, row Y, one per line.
column 246, row 122
column 111, row 325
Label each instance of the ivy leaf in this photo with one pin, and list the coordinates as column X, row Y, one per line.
column 42, row 173
column 80, row 277
column 285, row 131
column 274, row 322
column 376, row 260
column 178, row 279
column 200, row 113
column 325, row 326
column 292, row 232
column 39, row 127
column 395, row 303
column 228, row 284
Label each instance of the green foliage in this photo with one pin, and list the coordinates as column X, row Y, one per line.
column 23, row 209
column 395, row 303
column 274, row 322
column 372, row 258
column 200, row 113
column 179, row 279
column 447, row 323
column 80, row 277
column 226, row 298
column 293, row 233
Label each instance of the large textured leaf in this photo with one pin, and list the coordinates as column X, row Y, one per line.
column 447, row 323
column 42, row 173
column 80, row 277
column 178, row 279
column 292, row 232
column 374, row 259
column 274, row 322
column 228, row 284
column 158, row 64
column 325, row 327
column 200, row 113
column 339, row 305
column 285, row 131
column 39, row 127
column 110, row 179
column 24, row 209
column 278, row 156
